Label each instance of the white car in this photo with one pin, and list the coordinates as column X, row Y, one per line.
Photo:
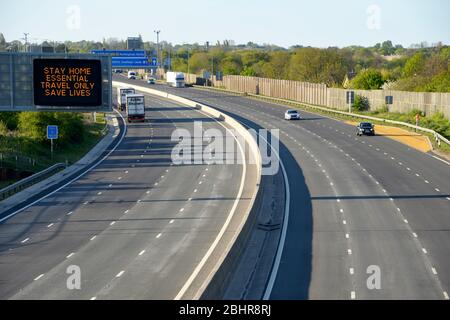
column 292, row 115
column 131, row 75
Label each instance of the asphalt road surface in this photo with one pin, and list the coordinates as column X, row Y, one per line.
column 360, row 207
column 137, row 226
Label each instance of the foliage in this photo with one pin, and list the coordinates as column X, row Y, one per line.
column 10, row 119
column 33, row 125
column 317, row 65
column 369, row 79
column 361, row 103
column 418, row 68
column 414, row 65
column 3, row 129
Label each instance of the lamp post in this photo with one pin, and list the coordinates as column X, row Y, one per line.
column 157, row 47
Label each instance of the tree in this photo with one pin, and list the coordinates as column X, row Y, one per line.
column 277, row 66
column 248, row 71
column 71, row 127
column 368, row 79
column 232, row 64
column 33, row 124
column 414, row 65
column 387, row 48
column 199, row 61
column 317, row 65
column 2, row 42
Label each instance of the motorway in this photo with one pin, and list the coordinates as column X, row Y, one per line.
column 137, row 226
column 357, row 204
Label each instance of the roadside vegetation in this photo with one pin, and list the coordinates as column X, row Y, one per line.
column 420, row 67
column 24, row 146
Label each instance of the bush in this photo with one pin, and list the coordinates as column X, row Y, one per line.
column 438, row 123
column 361, row 103
column 33, row 125
column 368, row 79
column 71, row 129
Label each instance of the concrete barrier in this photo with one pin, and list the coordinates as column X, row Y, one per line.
column 216, row 282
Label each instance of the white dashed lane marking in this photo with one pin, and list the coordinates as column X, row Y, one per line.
column 120, row 274
column 38, row 277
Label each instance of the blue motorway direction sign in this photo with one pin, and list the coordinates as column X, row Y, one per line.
column 130, row 62
column 121, row 53
column 52, row 132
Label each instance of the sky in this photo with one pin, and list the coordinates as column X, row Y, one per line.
column 318, row 23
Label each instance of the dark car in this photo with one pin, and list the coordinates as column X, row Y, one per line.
column 365, row 128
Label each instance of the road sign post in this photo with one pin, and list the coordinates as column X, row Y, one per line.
column 350, row 100
column 52, row 133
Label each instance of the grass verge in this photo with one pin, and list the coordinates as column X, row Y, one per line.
column 24, row 154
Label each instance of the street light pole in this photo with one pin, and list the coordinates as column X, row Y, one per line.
column 188, row 60
column 157, row 47
column 26, row 34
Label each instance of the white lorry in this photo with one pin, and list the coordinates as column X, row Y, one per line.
column 175, row 79
column 122, row 95
column 135, row 107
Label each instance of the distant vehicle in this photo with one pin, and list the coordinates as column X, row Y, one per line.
column 365, row 128
column 117, row 71
column 175, row 79
column 132, row 75
column 122, row 97
column 292, row 115
column 151, row 81
column 135, row 107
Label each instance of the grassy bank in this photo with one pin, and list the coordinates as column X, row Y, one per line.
column 23, row 153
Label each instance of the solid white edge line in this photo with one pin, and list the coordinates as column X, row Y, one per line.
column 74, row 179
column 281, row 244
column 437, row 158
column 224, row 227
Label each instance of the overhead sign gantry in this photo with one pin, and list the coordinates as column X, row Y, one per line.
column 67, row 82
column 55, row 82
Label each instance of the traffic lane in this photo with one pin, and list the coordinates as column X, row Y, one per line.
column 191, row 96
column 365, row 211
column 420, row 202
column 301, row 207
column 83, row 191
column 427, row 166
column 144, row 228
column 371, row 218
column 41, row 229
column 437, row 170
column 46, row 229
column 37, row 293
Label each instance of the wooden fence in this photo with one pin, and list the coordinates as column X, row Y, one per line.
column 320, row 94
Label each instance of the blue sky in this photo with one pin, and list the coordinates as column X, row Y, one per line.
column 319, row 23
